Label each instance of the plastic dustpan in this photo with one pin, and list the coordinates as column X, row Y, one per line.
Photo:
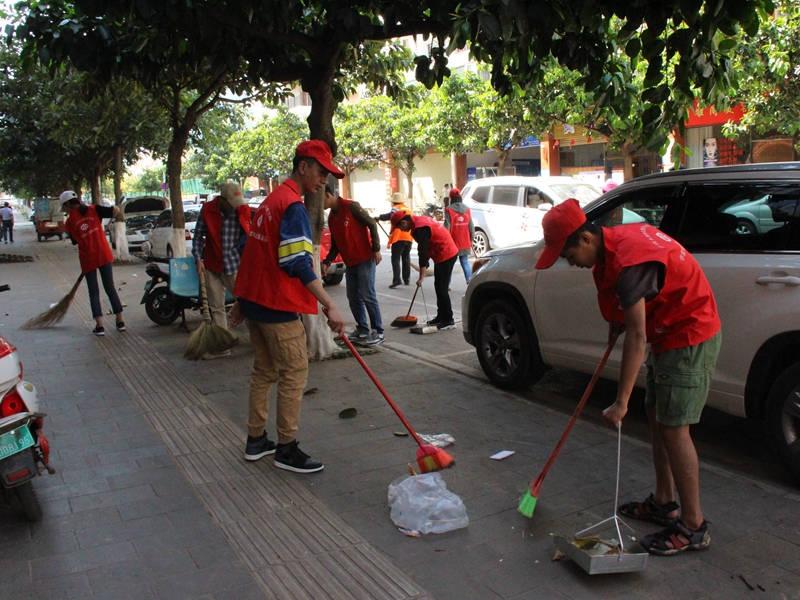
column 407, row 320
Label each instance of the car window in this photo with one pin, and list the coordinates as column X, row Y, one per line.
column 164, row 219
column 534, row 197
column 639, row 206
column 581, row 191
column 481, row 194
column 190, row 216
column 506, row 195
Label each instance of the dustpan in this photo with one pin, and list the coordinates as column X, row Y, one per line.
column 424, row 328
column 600, row 558
column 407, row 320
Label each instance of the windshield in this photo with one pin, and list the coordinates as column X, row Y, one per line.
column 140, row 221
column 582, row 192
column 190, row 216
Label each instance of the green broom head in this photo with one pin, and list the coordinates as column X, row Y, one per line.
column 527, row 504
column 431, row 458
column 55, row 314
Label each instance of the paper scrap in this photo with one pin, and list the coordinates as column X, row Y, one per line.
column 502, row 454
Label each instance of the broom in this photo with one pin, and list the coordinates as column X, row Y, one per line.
column 208, row 338
column 55, row 314
column 528, row 501
column 429, row 458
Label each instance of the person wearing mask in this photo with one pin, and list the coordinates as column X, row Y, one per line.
column 354, row 234
column 221, row 228
column 276, row 282
column 85, row 228
column 433, row 243
column 400, row 243
column 458, row 221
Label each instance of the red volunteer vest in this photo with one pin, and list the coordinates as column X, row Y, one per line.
column 684, row 313
column 351, row 236
column 87, row 230
column 441, row 246
column 397, row 235
column 459, row 228
column 212, row 216
column 261, row 279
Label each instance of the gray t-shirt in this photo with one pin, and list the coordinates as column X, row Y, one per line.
column 644, row 280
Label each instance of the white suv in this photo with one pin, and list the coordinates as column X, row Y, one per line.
column 508, row 211
column 523, row 321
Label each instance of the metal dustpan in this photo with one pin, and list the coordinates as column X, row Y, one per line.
column 408, row 320
column 597, row 556
column 424, row 327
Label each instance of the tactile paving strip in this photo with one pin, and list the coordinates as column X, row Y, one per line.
column 295, row 546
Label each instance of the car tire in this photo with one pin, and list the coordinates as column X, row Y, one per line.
column 745, row 227
column 30, row 502
column 480, row 242
column 60, row 237
column 507, row 351
column 783, row 417
column 333, row 279
column 162, row 306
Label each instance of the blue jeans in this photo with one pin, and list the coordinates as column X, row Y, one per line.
column 464, row 260
column 107, row 275
column 362, row 297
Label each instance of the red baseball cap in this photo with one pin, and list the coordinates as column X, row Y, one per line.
column 398, row 216
column 455, row 192
column 558, row 224
column 319, row 151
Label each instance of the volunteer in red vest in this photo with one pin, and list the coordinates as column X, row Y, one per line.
column 434, row 243
column 458, row 221
column 651, row 288
column 219, row 234
column 354, row 235
column 85, row 227
column 276, row 283
column 399, row 241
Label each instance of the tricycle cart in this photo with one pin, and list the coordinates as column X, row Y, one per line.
column 49, row 219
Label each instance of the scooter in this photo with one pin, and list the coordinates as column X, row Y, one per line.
column 24, row 450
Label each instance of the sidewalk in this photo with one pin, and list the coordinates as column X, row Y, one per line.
column 152, row 498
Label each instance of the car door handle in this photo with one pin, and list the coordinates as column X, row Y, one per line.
column 785, row 280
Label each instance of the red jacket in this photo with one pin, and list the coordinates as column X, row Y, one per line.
column 684, row 313
column 212, row 249
column 441, row 246
column 459, row 228
column 260, row 278
column 351, row 236
column 87, row 230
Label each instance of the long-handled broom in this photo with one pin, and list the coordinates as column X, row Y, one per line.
column 429, row 458
column 55, row 314
column 208, row 338
column 528, row 501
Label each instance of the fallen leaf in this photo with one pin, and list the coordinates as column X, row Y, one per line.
column 401, row 433
column 310, row 391
column 558, row 555
column 348, row 413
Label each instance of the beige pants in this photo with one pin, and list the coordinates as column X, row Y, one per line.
column 280, row 356
column 216, row 284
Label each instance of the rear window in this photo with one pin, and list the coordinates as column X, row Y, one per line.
column 190, row 216
column 481, row 194
column 505, row 195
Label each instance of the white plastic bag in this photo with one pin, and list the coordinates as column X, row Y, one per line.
column 422, row 503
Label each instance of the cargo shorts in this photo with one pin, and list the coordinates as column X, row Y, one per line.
column 678, row 381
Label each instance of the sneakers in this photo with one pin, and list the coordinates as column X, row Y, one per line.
column 99, row 331
column 435, row 321
column 357, row 336
column 444, row 325
column 210, row 356
column 258, row 447
column 290, row 458
column 394, row 285
column 374, row 338
column 120, row 325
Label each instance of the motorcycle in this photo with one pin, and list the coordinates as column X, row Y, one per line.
column 24, row 450
column 434, row 210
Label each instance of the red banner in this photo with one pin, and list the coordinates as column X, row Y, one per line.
column 700, row 117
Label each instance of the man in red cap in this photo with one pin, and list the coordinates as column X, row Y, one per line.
column 651, row 288
column 434, row 243
column 277, row 282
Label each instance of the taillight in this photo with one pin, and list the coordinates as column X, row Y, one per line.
column 12, row 477
column 188, row 236
column 5, row 347
column 12, row 404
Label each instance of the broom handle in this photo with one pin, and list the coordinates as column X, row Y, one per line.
column 414, row 297
column 383, row 391
column 204, row 298
column 577, row 413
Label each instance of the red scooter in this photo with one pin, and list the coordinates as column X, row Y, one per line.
column 24, row 450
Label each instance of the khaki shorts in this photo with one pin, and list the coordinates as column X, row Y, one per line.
column 678, row 381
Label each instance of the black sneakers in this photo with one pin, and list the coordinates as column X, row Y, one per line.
column 435, row 321
column 99, row 330
column 258, row 447
column 120, row 325
column 291, row 458
column 443, row 325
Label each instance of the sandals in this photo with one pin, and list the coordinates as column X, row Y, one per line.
column 656, row 543
column 649, row 511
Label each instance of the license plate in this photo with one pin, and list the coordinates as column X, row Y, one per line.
column 15, row 441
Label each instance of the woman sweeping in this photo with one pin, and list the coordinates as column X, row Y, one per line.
column 85, row 227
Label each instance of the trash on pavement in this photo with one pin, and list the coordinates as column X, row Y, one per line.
column 439, row 440
column 408, row 532
column 502, row 454
column 423, row 503
column 348, row 413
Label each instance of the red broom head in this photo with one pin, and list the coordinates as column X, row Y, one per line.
column 431, row 458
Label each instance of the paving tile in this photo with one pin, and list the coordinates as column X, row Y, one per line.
column 103, row 533
column 159, row 505
column 81, row 560
column 213, row 580
column 111, row 498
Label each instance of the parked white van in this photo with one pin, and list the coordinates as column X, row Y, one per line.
column 508, row 211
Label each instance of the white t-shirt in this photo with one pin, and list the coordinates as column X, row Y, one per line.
column 7, row 213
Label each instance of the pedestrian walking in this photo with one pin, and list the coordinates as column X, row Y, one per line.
column 277, row 282
column 446, row 194
column 85, row 228
column 354, row 234
column 458, row 221
column 7, row 217
column 651, row 288
column 399, row 242
column 433, row 243
column 219, row 234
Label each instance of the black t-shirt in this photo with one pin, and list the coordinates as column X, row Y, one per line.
column 644, row 280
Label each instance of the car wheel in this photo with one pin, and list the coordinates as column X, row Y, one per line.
column 162, row 306
column 480, row 242
column 169, row 251
column 333, row 279
column 783, row 417
column 60, row 237
column 745, row 227
column 507, row 351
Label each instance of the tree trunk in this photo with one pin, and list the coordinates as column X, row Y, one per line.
column 180, row 135
column 121, row 253
column 97, row 194
column 117, row 174
column 410, row 183
column 628, row 153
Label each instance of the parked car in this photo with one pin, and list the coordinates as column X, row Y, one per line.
column 508, row 211
column 523, row 321
column 139, row 206
column 137, row 228
column 159, row 239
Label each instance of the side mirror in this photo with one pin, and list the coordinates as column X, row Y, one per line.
column 545, row 206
